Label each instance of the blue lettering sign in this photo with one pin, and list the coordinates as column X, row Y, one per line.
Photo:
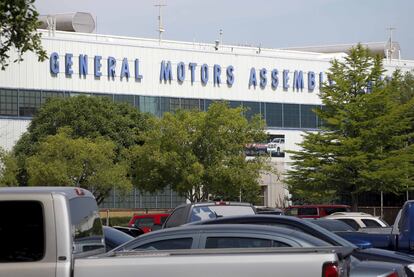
column 298, row 80
column 263, row 78
column 252, row 79
column 166, row 72
column 320, row 80
column 230, row 75
column 83, row 65
column 68, row 64
column 216, row 74
column 97, row 66
column 192, row 67
column 138, row 77
column 204, row 74
column 54, row 63
column 180, row 72
column 311, row 81
column 275, row 79
column 285, row 79
column 125, row 69
column 111, row 67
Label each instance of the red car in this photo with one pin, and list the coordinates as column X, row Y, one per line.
column 148, row 222
column 315, row 211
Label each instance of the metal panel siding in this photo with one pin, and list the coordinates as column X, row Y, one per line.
column 11, row 130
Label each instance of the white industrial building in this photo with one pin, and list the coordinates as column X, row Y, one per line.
column 158, row 76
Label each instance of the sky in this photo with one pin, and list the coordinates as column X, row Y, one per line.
column 265, row 23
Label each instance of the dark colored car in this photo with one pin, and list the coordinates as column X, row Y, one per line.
column 315, row 211
column 268, row 210
column 148, row 222
column 132, row 231
column 187, row 213
column 306, row 226
column 114, row 237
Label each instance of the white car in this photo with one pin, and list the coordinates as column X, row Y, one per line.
column 358, row 220
column 277, row 146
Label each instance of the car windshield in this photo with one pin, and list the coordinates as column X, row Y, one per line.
column 210, row 212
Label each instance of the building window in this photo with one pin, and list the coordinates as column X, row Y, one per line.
column 8, row 102
column 274, row 114
column 291, row 117
column 46, row 95
column 29, row 102
column 308, row 116
column 150, row 104
column 129, row 99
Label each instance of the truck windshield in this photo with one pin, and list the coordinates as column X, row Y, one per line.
column 86, row 227
column 210, row 212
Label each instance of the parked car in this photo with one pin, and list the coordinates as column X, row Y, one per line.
column 62, row 230
column 187, row 213
column 399, row 237
column 249, row 236
column 358, row 220
column 148, row 222
column 114, row 237
column 308, row 227
column 315, row 211
column 276, row 147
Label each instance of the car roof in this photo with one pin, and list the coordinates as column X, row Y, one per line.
column 231, row 229
column 68, row 192
column 216, row 203
column 350, row 214
column 320, row 206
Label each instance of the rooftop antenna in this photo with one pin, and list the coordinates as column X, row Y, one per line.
column 391, row 47
column 160, row 27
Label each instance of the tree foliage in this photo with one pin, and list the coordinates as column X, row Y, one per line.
column 88, row 118
column 8, row 168
column 200, row 155
column 18, row 24
column 82, row 162
column 368, row 128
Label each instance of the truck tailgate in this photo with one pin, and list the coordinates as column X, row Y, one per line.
column 222, row 263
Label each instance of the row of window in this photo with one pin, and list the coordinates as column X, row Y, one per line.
column 25, row 103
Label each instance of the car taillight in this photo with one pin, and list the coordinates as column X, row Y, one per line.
column 330, row 270
column 394, row 274
column 223, row 203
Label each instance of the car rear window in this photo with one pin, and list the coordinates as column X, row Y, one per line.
column 237, row 242
column 308, row 211
column 22, row 234
column 144, row 222
column 167, row 244
column 350, row 222
column 210, row 212
column 371, row 223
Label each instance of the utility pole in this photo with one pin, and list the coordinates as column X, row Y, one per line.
column 391, row 48
column 160, row 27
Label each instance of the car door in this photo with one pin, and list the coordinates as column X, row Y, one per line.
column 243, row 240
column 27, row 236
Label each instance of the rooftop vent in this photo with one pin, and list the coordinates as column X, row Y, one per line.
column 72, row 22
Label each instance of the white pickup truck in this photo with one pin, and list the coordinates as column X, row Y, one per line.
column 57, row 232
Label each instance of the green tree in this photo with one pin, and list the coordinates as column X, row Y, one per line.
column 18, row 24
column 8, row 168
column 82, row 162
column 366, row 129
column 200, row 155
column 88, row 118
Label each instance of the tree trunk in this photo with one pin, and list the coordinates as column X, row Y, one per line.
column 354, row 202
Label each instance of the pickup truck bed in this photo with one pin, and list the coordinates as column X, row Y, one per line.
column 262, row 262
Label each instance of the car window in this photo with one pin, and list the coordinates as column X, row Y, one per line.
column 163, row 219
column 292, row 211
column 371, row 223
column 176, row 218
column 333, row 225
column 242, row 242
column 350, row 222
column 144, row 222
column 211, row 212
column 21, row 240
column 308, row 211
column 168, row 244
